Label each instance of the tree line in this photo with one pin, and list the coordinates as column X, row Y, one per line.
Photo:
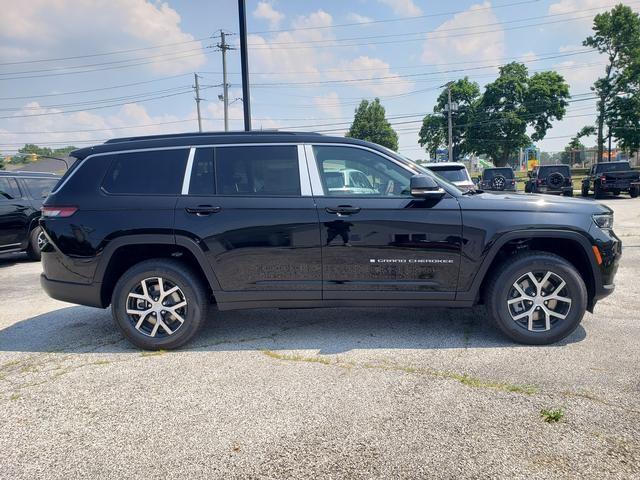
column 518, row 108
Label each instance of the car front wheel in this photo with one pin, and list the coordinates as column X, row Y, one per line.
column 537, row 298
column 159, row 304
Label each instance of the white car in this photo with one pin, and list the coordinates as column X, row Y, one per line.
column 349, row 181
column 455, row 172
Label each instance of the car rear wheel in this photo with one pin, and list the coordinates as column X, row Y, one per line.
column 597, row 191
column 537, row 298
column 159, row 304
column 37, row 241
column 585, row 191
column 634, row 191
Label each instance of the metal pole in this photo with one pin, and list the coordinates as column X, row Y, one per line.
column 244, row 62
column 450, row 124
column 225, row 86
column 609, row 156
column 197, row 87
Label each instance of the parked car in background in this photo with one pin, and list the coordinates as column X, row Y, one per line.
column 611, row 177
column 555, row 179
column 21, row 197
column 251, row 220
column 498, row 179
column 455, row 172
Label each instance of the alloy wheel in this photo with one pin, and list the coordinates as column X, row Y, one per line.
column 537, row 301
column 41, row 240
column 156, row 307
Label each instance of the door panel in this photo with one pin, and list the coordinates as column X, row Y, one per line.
column 377, row 241
column 260, row 246
column 15, row 215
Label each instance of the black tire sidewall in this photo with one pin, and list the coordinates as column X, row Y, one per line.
column 32, row 250
column 542, row 262
column 196, row 304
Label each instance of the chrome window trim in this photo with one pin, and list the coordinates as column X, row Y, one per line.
column 303, row 169
column 319, row 189
column 186, row 179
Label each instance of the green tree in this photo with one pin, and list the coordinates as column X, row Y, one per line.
column 624, row 115
column 434, row 131
column 617, row 35
column 370, row 124
column 510, row 105
column 32, row 148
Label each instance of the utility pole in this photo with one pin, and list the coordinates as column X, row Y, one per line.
column 197, row 88
column 450, row 106
column 225, row 86
column 244, row 63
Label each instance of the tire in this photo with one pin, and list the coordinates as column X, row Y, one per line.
column 145, row 332
column 527, row 188
column 597, row 192
column 633, row 192
column 585, row 191
column 568, row 193
column 37, row 240
column 501, row 289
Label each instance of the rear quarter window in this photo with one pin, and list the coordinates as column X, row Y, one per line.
column 156, row 172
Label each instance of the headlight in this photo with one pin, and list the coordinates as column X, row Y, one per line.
column 603, row 220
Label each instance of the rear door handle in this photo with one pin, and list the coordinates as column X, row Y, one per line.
column 203, row 210
column 341, row 210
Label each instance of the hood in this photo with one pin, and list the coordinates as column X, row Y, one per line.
column 523, row 202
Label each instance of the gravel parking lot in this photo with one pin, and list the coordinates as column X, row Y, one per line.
column 396, row 393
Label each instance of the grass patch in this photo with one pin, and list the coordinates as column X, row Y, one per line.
column 155, row 353
column 551, row 415
column 476, row 382
column 15, row 396
column 298, row 358
column 102, row 362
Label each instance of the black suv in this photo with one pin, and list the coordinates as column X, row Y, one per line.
column 611, row 177
column 550, row 179
column 162, row 227
column 498, row 179
column 21, row 196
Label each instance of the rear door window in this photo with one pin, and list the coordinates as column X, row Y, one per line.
column 9, row 189
column 270, row 170
column 39, row 188
column 203, row 180
column 156, row 172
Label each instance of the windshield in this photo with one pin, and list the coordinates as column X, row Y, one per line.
column 613, row 167
column 492, row 173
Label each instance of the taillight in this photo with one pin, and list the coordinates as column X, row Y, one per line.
column 539, row 181
column 603, row 178
column 58, row 212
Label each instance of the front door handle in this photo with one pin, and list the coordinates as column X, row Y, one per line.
column 341, row 210
column 203, row 210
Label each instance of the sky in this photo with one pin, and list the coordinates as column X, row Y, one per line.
column 80, row 72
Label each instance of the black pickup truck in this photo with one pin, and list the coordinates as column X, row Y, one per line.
column 611, row 177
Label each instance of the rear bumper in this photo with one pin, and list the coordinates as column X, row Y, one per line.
column 81, row 294
column 557, row 191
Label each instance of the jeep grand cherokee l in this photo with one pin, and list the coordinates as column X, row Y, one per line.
column 162, row 227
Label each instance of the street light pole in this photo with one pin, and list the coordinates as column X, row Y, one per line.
column 450, row 121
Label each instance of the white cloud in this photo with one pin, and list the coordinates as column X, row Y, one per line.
column 365, row 67
column 405, row 8
column 75, row 28
column 279, row 53
column 357, row 18
column 442, row 45
column 328, row 105
column 265, row 11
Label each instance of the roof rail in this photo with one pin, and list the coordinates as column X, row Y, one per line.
column 207, row 134
column 29, row 172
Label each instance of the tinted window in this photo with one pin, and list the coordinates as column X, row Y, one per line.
column 492, row 173
column 549, row 169
column 202, row 173
column 156, row 172
column 348, row 171
column 453, row 174
column 257, row 170
column 8, row 189
column 39, row 188
column 613, row 167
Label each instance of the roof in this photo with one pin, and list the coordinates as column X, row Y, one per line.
column 213, row 138
column 444, row 164
column 22, row 173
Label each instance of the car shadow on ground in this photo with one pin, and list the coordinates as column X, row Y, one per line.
column 10, row 259
column 329, row 331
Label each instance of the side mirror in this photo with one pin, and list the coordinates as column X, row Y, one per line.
column 424, row 186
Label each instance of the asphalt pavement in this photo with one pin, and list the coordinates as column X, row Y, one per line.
column 338, row 393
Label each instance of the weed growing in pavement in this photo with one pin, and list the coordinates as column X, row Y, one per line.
column 552, row 416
